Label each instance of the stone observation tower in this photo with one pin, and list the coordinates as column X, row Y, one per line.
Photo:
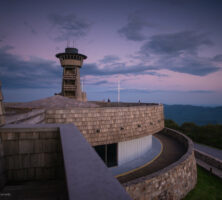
column 71, row 62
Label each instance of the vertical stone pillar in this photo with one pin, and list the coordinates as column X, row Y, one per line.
column 2, row 111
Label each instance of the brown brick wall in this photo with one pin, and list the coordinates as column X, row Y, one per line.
column 111, row 124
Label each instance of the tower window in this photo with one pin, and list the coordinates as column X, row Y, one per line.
column 69, row 82
column 70, row 71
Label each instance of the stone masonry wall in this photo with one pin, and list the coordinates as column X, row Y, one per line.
column 31, row 154
column 173, row 182
column 111, row 124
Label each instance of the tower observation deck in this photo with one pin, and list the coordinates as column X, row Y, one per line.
column 72, row 61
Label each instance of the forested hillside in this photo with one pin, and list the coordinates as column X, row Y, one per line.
column 208, row 134
column 196, row 114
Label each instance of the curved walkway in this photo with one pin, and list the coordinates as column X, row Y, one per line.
column 135, row 164
column 172, row 151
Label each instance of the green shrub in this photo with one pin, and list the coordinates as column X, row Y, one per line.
column 208, row 134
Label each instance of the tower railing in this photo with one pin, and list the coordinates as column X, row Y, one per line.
column 69, row 76
column 69, row 87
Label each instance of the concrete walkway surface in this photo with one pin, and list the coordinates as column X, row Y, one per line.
column 136, row 163
column 172, row 151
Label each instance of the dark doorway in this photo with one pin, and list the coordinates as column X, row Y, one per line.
column 108, row 153
column 100, row 149
column 111, row 155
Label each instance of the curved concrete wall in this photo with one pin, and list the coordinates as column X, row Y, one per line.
column 133, row 149
column 108, row 125
column 172, row 182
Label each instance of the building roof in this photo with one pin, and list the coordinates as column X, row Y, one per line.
column 71, row 51
column 56, row 101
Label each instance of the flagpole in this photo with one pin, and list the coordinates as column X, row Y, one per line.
column 118, row 91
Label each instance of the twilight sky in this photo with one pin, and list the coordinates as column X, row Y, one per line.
column 167, row 51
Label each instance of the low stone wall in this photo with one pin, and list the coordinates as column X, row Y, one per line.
column 208, row 159
column 173, row 182
column 31, row 154
column 111, row 124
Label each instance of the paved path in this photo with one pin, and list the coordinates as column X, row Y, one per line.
column 209, row 150
column 172, row 151
column 137, row 163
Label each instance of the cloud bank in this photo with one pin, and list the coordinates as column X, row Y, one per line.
column 33, row 73
column 133, row 30
column 68, row 26
column 179, row 52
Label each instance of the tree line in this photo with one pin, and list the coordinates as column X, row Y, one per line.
column 210, row 134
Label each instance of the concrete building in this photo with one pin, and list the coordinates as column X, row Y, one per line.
column 64, row 148
column 72, row 61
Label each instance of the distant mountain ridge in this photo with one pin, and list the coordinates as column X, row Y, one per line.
column 198, row 114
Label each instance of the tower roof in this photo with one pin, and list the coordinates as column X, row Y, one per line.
column 70, row 51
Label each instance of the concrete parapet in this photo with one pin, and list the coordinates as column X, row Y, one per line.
column 210, row 160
